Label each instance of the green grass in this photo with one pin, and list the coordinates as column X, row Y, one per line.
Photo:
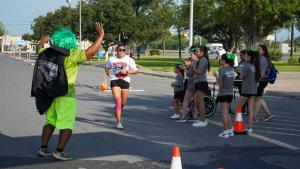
column 166, row 64
column 286, row 67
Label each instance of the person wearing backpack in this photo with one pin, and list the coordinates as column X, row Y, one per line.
column 265, row 66
column 62, row 112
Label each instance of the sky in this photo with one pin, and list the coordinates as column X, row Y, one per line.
column 17, row 15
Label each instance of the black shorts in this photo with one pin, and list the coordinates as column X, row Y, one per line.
column 179, row 95
column 227, row 98
column 248, row 95
column 119, row 83
column 261, row 88
column 203, row 87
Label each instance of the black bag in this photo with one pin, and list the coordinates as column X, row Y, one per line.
column 49, row 77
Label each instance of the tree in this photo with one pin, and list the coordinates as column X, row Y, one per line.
column 27, row 37
column 129, row 22
column 212, row 24
column 46, row 25
column 2, row 29
column 297, row 41
column 256, row 19
column 181, row 20
column 153, row 20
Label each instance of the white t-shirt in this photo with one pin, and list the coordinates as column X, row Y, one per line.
column 116, row 65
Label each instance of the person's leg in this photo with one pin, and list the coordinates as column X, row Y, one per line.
column 242, row 102
column 195, row 112
column 64, row 137
column 228, row 116
column 225, row 114
column 251, row 107
column 201, row 107
column 124, row 96
column 116, row 91
column 46, row 135
column 66, row 115
column 265, row 107
column 176, row 105
column 196, row 103
column 187, row 98
column 199, row 103
column 257, row 105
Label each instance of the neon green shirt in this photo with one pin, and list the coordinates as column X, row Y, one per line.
column 71, row 63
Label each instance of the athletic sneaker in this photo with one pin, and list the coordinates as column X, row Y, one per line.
column 175, row 116
column 181, row 120
column 249, row 130
column 43, row 152
column 268, row 117
column 255, row 120
column 230, row 132
column 224, row 134
column 61, row 156
column 199, row 123
column 120, row 126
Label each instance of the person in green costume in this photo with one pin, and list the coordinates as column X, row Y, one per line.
column 62, row 113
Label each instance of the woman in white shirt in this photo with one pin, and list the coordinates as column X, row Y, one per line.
column 118, row 69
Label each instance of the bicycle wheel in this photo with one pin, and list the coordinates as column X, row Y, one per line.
column 210, row 106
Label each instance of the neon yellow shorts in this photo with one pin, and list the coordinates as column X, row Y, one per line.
column 62, row 113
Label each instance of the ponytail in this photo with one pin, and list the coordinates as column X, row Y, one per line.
column 205, row 49
column 254, row 55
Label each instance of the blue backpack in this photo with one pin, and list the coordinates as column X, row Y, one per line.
column 272, row 74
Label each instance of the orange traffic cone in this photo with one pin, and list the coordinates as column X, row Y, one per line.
column 176, row 160
column 239, row 127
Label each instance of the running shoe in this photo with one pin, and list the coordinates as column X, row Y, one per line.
column 61, row 156
column 224, row 134
column 181, row 120
column 175, row 116
column 268, row 117
column 230, row 132
column 120, row 126
column 250, row 130
column 43, row 152
column 199, row 123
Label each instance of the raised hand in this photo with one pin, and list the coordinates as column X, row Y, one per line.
column 100, row 29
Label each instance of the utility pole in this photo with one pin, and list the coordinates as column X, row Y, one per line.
column 80, row 31
column 292, row 40
column 191, row 23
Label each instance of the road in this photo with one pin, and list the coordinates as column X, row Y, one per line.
column 149, row 135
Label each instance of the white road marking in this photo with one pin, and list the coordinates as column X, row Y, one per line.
column 282, row 124
column 280, row 133
column 279, row 128
column 266, row 139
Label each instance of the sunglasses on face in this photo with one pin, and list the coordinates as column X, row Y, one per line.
column 121, row 50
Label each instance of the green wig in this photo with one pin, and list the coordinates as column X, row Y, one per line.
column 64, row 38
